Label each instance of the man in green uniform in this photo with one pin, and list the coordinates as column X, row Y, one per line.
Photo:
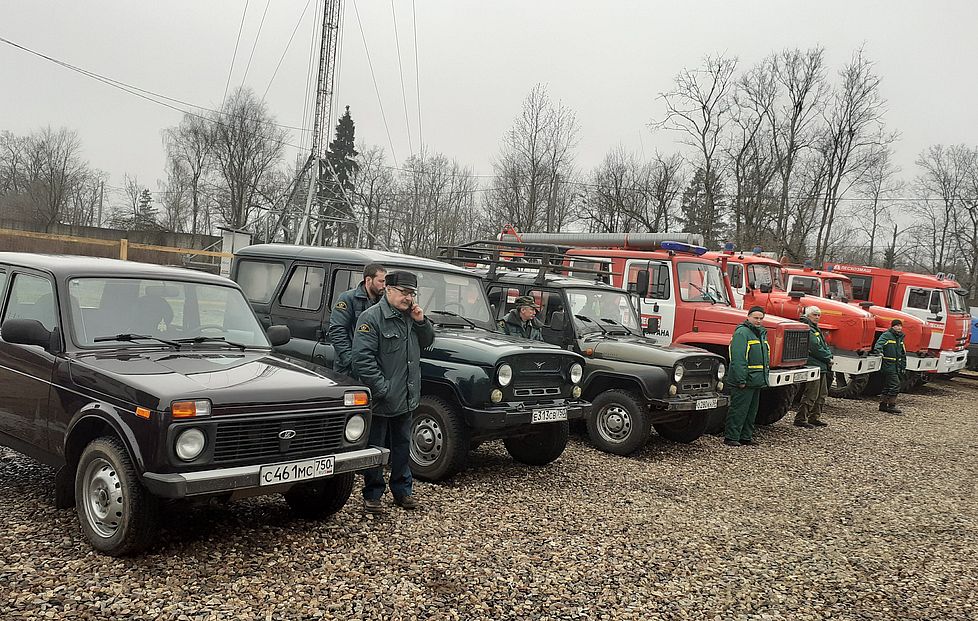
column 750, row 360
column 522, row 320
column 890, row 346
column 819, row 355
column 346, row 311
column 387, row 358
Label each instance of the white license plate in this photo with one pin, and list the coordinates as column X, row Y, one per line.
column 549, row 416
column 706, row 404
column 801, row 376
column 297, row 471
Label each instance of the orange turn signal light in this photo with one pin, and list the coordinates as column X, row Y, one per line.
column 351, row 399
column 143, row 413
column 190, row 409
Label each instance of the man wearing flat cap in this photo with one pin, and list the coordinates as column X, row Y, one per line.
column 522, row 320
column 890, row 346
column 387, row 348
column 750, row 359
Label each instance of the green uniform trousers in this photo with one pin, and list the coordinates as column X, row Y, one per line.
column 742, row 412
column 813, row 400
column 891, row 383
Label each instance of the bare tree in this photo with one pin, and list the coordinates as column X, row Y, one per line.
column 878, row 186
column 374, row 195
column 698, row 109
column 944, row 176
column 536, row 154
column 189, row 148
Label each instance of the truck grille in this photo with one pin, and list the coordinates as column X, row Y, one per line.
column 795, row 346
column 245, row 439
column 700, row 375
column 537, row 371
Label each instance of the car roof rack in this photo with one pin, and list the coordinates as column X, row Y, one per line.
column 520, row 256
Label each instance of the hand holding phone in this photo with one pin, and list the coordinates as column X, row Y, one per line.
column 417, row 313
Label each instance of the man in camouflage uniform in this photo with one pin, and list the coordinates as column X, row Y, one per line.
column 890, row 346
column 346, row 311
column 522, row 320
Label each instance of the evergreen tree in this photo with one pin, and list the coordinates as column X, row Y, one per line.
column 699, row 213
column 336, row 178
column 146, row 214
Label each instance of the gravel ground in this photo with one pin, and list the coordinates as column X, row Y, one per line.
column 873, row 517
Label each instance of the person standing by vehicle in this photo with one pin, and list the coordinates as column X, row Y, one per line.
column 749, row 363
column 387, row 348
column 522, row 320
column 346, row 311
column 890, row 346
column 819, row 355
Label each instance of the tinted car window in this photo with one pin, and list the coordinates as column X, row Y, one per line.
column 305, row 288
column 918, row 298
column 32, row 297
column 259, row 279
column 344, row 280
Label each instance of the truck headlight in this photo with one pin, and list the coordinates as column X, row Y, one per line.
column 355, row 428
column 576, row 392
column 721, row 371
column 496, row 395
column 504, row 375
column 576, row 373
column 190, row 444
column 678, row 372
column 673, row 390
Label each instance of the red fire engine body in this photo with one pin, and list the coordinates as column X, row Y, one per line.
column 937, row 300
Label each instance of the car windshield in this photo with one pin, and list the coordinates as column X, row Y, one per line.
column 606, row 308
column 837, row 288
column 764, row 274
column 457, row 294
column 160, row 309
column 956, row 303
column 701, row 282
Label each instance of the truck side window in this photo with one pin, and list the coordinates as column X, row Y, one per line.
column 549, row 301
column 658, row 280
column 918, row 298
column 861, row 286
column 736, row 273
column 32, row 297
column 343, row 280
column 497, row 300
column 806, row 285
column 305, row 288
column 259, row 279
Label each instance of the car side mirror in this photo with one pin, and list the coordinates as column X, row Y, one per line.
column 796, row 295
column 651, row 326
column 642, row 284
column 278, row 335
column 765, row 288
column 27, row 332
column 557, row 321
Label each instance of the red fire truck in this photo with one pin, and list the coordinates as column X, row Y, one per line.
column 937, row 300
column 849, row 330
column 917, row 334
column 688, row 300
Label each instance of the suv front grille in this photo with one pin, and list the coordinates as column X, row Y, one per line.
column 536, row 392
column 533, row 371
column 245, row 439
column 795, row 346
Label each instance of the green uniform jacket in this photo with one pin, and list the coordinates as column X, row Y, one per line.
column 387, row 348
column 750, row 356
column 342, row 321
column 890, row 346
column 512, row 325
column 819, row 353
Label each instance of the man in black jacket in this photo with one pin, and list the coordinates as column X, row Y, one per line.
column 522, row 320
column 387, row 348
column 346, row 311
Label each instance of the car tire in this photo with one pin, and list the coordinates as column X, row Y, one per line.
column 912, row 381
column 545, row 444
column 686, row 430
column 774, row 403
column 618, row 422
column 874, row 385
column 439, row 440
column 316, row 500
column 118, row 515
column 845, row 386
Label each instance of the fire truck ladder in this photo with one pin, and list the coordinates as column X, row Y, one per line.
column 518, row 256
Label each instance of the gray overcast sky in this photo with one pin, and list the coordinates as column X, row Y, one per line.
column 606, row 60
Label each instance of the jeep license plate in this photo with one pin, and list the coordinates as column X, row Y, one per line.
column 801, row 376
column 297, row 471
column 706, row 404
column 549, row 416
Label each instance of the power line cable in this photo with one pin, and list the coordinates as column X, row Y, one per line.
column 298, row 22
column 400, row 71
column 373, row 77
column 235, row 54
column 417, row 74
column 254, row 46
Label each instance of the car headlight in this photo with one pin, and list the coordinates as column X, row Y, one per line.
column 355, row 428
column 721, row 371
column 673, row 390
column 576, row 373
column 504, row 375
column 678, row 372
column 719, row 386
column 190, row 444
column 496, row 395
column 576, row 392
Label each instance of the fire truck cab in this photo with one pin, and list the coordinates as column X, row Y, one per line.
column 937, row 300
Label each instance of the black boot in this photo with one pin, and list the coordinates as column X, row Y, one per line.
column 884, row 405
column 893, row 408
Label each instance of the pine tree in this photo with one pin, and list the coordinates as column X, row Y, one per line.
column 146, row 214
column 336, row 175
column 699, row 214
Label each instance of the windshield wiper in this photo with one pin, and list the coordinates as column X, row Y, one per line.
column 587, row 319
column 212, row 339
column 617, row 323
column 705, row 293
column 451, row 314
column 130, row 338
